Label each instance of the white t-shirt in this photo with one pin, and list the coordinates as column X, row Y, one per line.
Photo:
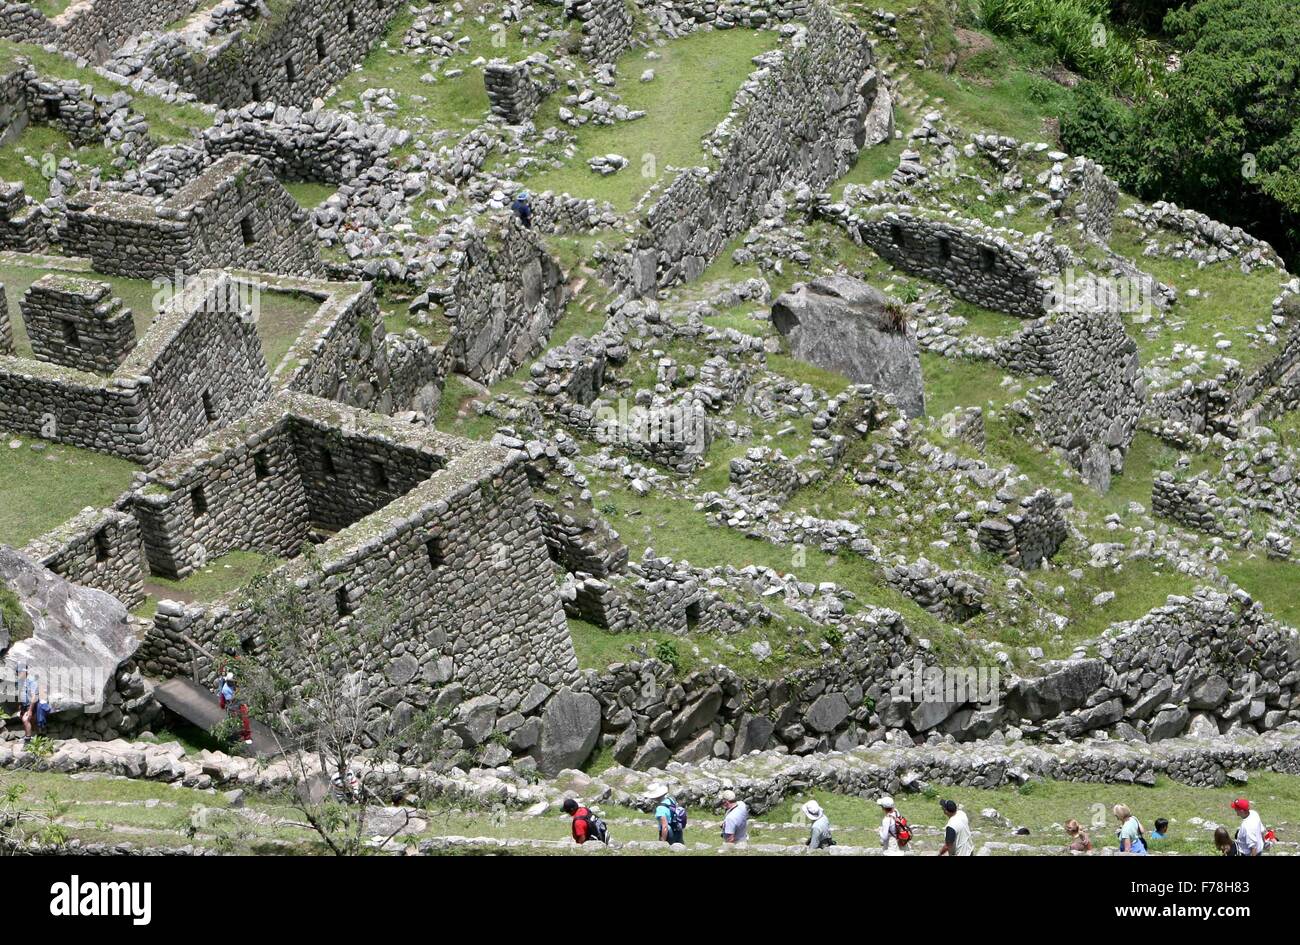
column 888, row 838
column 962, row 844
column 1250, row 835
column 736, row 823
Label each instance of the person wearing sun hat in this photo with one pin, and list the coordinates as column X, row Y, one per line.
column 889, row 827
column 735, row 825
column 1250, row 835
column 819, row 836
column 667, row 820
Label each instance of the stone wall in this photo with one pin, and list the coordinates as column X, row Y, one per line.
column 77, row 323
column 169, row 390
column 290, row 57
column 606, row 27
column 505, row 297
column 97, row 548
column 22, row 220
column 797, row 120
column 6, row 325
column 974, row 261
column 234, row 214
column 513, row 95
column 1028, row 536
column 764, row 473
column 89, row 28
column 458, row 561
column 1092, row 407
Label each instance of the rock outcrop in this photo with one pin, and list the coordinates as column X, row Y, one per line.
column 842, row 324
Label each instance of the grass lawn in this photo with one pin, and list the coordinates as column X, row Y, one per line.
column 695, row 82
column 39, row 149
column 310, row 194
column 40, row 490
column 222, row 575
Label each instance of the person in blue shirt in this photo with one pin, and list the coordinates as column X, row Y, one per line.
column 1162, row 829
column 669, row 830
column 523, row 208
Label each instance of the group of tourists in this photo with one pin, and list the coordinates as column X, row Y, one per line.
column 670, row 820
column 895, row 832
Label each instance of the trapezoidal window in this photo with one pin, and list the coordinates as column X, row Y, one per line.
column 987, row 259
column 896, row 234
column 320, row 47
column 200, row 499
column 693, row 615
column 945, row 248
column 261, row 465
column 52, row 109
column 437, row 553
column 290, row 70
column 71, row 337
column 379, row 473
column 102, row 549
column 246, row 230
column 343, row 601
column 257, row 91
column 352, row 21
column 327, row 462
column 209, row 411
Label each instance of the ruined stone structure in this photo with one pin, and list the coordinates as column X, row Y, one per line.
column 974, row 261
column 606, row 27
column 90, row 28
column 417, row 516
column 77, row 323
column 165, row 394
column 798, row 119
column 234, row 214
column 1027, row 536
column 290, row 57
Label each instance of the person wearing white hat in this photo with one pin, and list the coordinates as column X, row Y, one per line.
column 889, row 827
column 669, row 816
column 819, row 836
column 735, row 826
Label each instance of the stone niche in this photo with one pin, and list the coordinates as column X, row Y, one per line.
column 77, row 323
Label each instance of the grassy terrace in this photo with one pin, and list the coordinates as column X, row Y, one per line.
column 37, row 152
column 696, row 80
column 41, row 489
column 222, row 575
column 281, row 317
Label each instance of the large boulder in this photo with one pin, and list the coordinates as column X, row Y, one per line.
column 570, row 729
column 74, row 638
column 842, row 324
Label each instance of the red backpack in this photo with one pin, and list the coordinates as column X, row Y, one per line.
column 902, row 832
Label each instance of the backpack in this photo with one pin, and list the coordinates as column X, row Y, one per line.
column 678, row 815
column 902, row 832
column 597, row 829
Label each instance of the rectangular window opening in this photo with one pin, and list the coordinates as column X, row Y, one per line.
column 200, row 499
column 261, row 465
column 343, row 601
column 209, row 411
column 987, row 259
column 71, row 337
column 327, row 462
column 102, row 549
column 437, row 553
column 379, row 473
column 246, row 231
column 320, row 47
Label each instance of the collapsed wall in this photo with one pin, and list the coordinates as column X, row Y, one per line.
column 606, row 27
column 797, row 120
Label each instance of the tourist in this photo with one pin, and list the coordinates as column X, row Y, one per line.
column 584, row 824
column 226, row 699
column 1162, row 829
column 957, row 840
column 1130, row 831
column 819, row 835
column 29, row 691
column 668, row 815
column 523, row 208
column 735, row 825
column 1250, row 835
column 1223, row 842
column 1080, row 842
column 894, row 832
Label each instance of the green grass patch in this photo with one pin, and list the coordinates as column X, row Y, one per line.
column 42, row 489
column 695, row 82
column 32, row 158
column 310, row 194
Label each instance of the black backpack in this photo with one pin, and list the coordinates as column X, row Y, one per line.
column 597, row 829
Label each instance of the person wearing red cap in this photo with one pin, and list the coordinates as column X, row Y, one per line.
column 1250, row 835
